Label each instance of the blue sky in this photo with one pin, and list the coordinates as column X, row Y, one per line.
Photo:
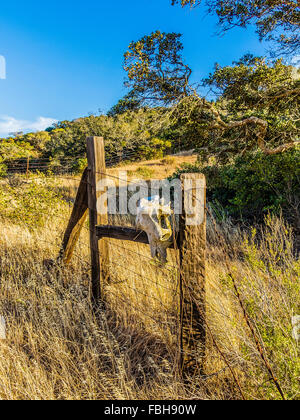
column 64, row 58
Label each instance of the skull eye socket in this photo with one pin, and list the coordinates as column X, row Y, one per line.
column 163, row 222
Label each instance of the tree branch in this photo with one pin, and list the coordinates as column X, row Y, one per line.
column 260, row 123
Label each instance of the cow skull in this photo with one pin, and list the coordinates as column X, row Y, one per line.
column 151, row 213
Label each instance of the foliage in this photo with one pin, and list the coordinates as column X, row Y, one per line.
column 128, row 103
column 79, row 165
column 27, row 201
column 16, row 148
column 3, row 168
column 256, row 105
column 251, row 81
column 37, row 140
column 137, row 134
column 144, row 172
column 275, row 20
column 130, row 135
column 269, row 253
column 255, row 185
column 155, row 68
column 252, row 110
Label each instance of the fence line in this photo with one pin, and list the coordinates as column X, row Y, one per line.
column 48, row 164
column 169, row 290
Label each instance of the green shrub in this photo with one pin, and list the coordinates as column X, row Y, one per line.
column 254, row 185
column 154, row 148
column 31, row 202
column 271, row 296
column 79, row 165
column 3, row 168
column 144, row 172
column 169, row 160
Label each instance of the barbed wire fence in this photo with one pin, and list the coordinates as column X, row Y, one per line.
column 165, row 300
column 161, row 298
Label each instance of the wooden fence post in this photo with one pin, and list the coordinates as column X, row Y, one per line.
column 99, row 249
column 192, row 245
column 76, row 222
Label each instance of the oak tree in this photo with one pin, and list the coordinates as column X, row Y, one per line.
column 275, row 20
column 256, row 102
column 156, row 70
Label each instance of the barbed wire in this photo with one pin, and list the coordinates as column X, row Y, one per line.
column 137, row 308
column 142, row 276
column 157, row 304
column 57, row 163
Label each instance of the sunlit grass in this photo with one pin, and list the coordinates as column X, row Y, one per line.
column 57, row 347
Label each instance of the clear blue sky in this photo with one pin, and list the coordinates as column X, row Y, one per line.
column 64, row 58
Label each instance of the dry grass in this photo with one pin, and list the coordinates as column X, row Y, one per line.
column 160, row 168
column 57, row 347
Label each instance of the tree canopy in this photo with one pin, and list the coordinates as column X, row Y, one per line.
column 256, row 106
column 128, row 103
column 275, row 20
column 156, row 70
column 251, row 96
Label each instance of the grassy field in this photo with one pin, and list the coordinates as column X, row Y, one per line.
column 57, row 347
column 156, row 169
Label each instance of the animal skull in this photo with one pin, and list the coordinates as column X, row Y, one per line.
column 151, row 213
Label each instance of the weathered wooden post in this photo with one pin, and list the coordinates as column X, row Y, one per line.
column 192, row 248
column 76, row 222
column 99, row 249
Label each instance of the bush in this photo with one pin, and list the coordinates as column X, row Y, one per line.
column 144, row 172
column 3, row 169
column 169, row 160
column 80, row 165
column 254, row 185
column 31, row 202
column 154, row 148
column 271, row 293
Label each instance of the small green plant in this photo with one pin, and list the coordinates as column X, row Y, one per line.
column 3, row 168
column 144, row 172
column 79, row 165
column 168, row 160
column 186, row 168
column 32, row 202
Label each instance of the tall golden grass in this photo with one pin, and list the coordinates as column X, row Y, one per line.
column 58, row 347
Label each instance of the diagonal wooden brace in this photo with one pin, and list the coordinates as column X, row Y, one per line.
column 76, row 222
